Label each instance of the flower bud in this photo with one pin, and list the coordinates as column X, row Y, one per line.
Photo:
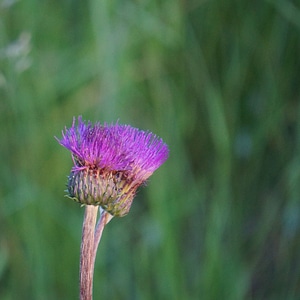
column 112, row 190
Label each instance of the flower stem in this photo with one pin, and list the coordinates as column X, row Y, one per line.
column 89, row 244
column 87, row 252
column 105, row 217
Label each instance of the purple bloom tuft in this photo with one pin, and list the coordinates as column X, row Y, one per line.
column 110, row 162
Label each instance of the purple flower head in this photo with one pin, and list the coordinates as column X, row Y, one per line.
column 110, row 162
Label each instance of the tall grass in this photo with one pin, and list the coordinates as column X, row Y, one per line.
column 218, row 80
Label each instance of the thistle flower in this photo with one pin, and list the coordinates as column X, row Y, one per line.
column 110, row 162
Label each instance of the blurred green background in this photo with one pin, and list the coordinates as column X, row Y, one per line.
column 219, row 82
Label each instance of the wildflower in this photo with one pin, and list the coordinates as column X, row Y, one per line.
column 110, row 162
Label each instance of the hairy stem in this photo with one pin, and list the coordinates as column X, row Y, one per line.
column 89, row 245
column 87, row 253
column 105, row 217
